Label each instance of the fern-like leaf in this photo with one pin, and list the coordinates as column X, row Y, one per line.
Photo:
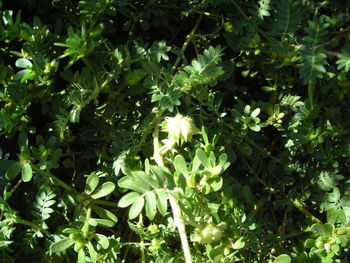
column 43, row 202
column 311, row 53
column 287, row 18
column 203, row 71
column 313, row 65
column 61, row 122
column 292, row 101
column 260, row 9
column 344, row 58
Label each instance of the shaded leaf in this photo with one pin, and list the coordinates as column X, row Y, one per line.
column 128, row 199
column 151, row 205
column 61, row 245
column 103, row 190
column 27, row 172
column 136, row 208
column 91, row 183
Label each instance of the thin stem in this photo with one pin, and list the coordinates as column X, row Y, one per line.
column 180, row 224
column 127, row 248
column 240, row 10
column 13, row 189
column 28, row 223
column 58, row 181
column 104, row 202
column 157, row 154
column 299, row 206
column 142, row 242
column 310, row 92
column 88, row 64
column 189, row 37
column 156, row 118
column 86, row 226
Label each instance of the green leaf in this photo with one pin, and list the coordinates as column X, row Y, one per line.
column 151, row 205
column 128, row 199
column 162, row 201
column 129, row 182
column 23, row 142
column 215, row 254
column 202, row 156
column 309, row 243
column 13, row 170
column 151, row 68
column 27, row 172
column 102, row 240
column 180, row 164
column 105, row 214
column 239, row 243
column 284, row 258
column 313, row 63
column 81, row 256
column 255, row 113
column 91, row 183
column 103, row 190
column 146, row 179
column 254, row 127
column 344, row 58
column 101, row 222
column 136, row 208
column 61, row 245
column 324, row 230
column 216, row 183
column 92, row 252
column 23, row 63
column 71, row 230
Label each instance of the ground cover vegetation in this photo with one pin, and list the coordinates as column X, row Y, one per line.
column 174, row 131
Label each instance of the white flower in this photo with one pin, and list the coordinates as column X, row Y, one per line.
column 179, row 128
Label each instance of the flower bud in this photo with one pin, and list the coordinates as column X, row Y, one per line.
column 180, row 128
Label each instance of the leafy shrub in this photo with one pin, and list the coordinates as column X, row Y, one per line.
column 174, row 131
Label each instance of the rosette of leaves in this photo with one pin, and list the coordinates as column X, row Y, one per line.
column 86, row 238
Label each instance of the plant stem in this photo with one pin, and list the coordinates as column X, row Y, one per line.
column 156, row 152
column 156, row 118
column 299, row 206
column 28, row 223
column 58, row 181
column 180, row 224
column 240, row 10
column 85, row 228
column 178, row 220
column 310, row 92
column 104, row 202
column 142, row 242
column 13, row 189
column 189, row 37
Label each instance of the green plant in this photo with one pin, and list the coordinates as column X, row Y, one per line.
column 161, row 131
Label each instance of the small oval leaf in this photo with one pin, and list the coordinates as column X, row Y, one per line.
column 91, row 183
column 102, row 240
column 105, row 214
column 202, row 156
column 27, row 172
column 162, row 203
column 151, row 205
column 101, row 222
column 128, row 199
column 13, row 170
column 284, row 258
column 61, row 245
column 103, row 190
column 136, row 208
column 180, row 164
column 23, row 63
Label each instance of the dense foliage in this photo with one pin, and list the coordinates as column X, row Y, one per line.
column 174, row 131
